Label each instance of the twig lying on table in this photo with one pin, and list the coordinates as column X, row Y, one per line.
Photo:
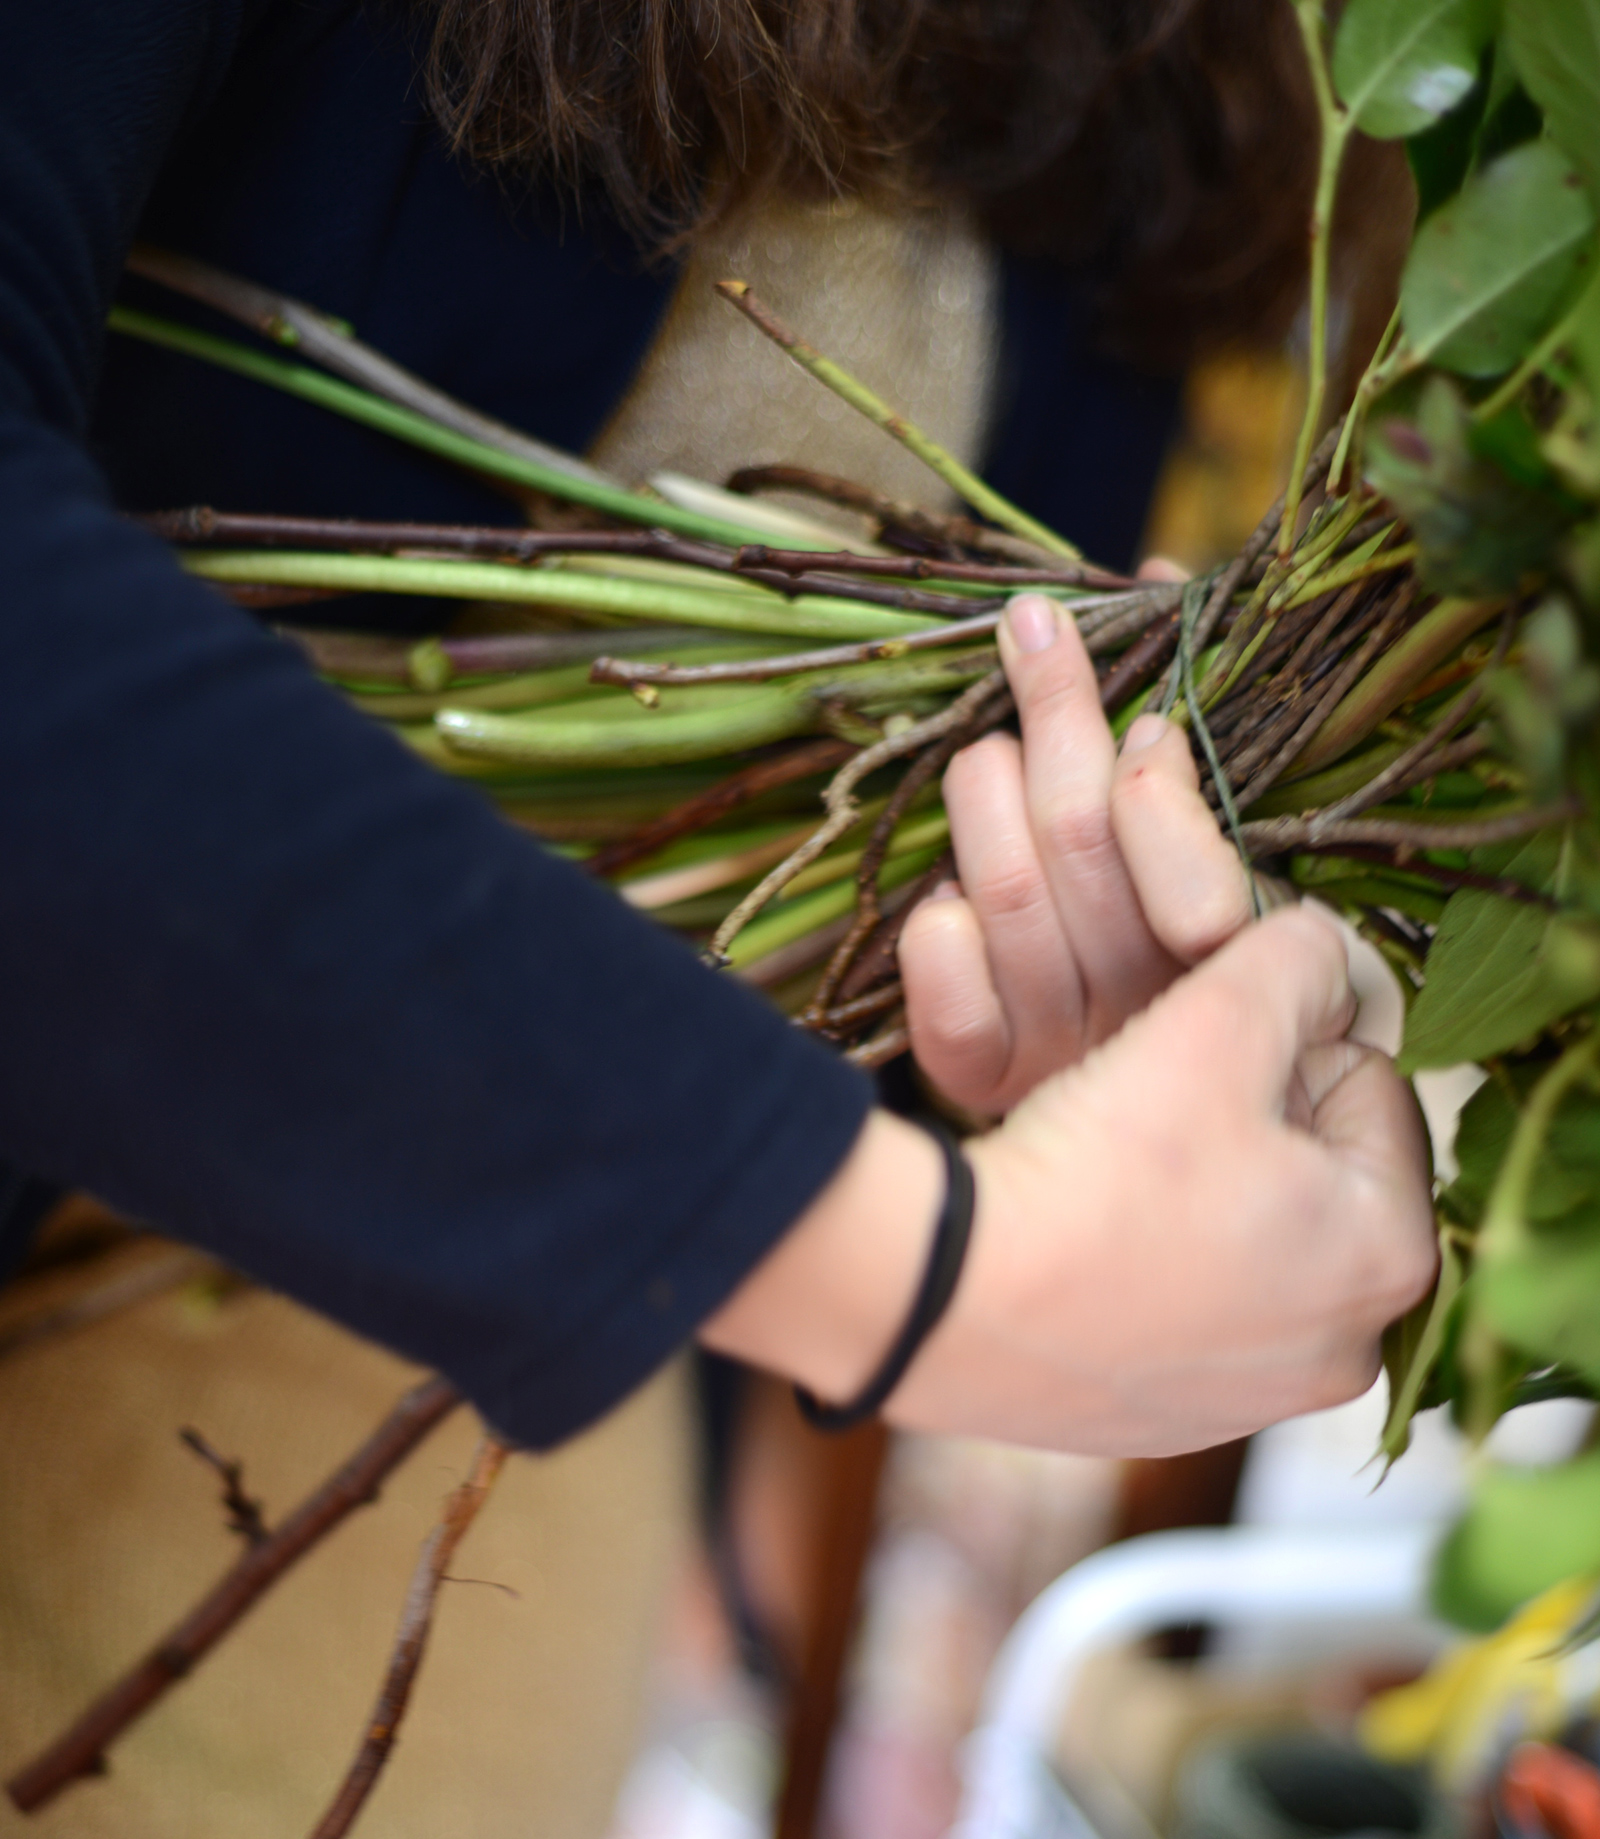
column 246, row 1515
column 416, row 1620
column 81, row 1750
column 149, row 1278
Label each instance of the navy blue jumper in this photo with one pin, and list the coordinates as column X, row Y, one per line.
column 266, row 980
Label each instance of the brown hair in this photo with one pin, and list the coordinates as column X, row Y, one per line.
column 1167, row 145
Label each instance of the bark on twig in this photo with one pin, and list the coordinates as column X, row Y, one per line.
column 81, row 1750
column 416, row 1620
column 246, row 1515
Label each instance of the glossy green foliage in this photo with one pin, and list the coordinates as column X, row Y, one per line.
column 1491, row 269
column 1501, row 970
column 1480, row 524
column 1555, row 45
column 1526, row 1530
column 1399, row 65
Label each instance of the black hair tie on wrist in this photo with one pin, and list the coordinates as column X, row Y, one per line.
column 945, row 1258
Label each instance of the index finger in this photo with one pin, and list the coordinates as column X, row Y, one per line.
column 1068, row 757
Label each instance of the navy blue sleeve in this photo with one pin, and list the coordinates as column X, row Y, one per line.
column 268, row 981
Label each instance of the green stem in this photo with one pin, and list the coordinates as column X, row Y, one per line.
column 939, row 460
column 1429, row 642
column 1356, row 569
column 406, row 425
column 1335, row 127
column 694, row 724
column 806, row 616
column 1374, row 379
column 792, row 920
column 1541, row 354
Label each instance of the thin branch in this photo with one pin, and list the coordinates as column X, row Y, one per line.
column 961, row 479
column 756, row 670
column 329, row 342
column 869, row 909
column 151, row 1277
column 889, row 1044
column 1268, row 836
column 844, row 1018
column 717, row 801
column 1396, row 774
column 81, row 1750
column 921, row 568
column 1452, row 880
column 844, row 810
column 879, row 957
column 462, row 1508
column 1285, row 755
column 905, row 526
column 246, row 1515
column 1139, row 663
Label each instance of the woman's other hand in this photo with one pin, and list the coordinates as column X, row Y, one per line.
column 1202, row 1228
column 1088, row 879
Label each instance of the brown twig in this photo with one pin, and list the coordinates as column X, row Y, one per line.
column 717, row 801
column 246, row 1515
column 81, row 1749
column 756, row 670
column 845, row 1018
column 1398, row 773
column 869, row 910
column 1267, row 836
column 878, row 958
column 843, row 808
column 888, row 1044
column 1139, row 663
column 460, row 1510
column 150, row 1278
column 1053, row 573
column 891, row 514
column 1285, row 754
column 1452, row 880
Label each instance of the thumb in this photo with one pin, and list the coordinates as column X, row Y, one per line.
column 1255, row 1009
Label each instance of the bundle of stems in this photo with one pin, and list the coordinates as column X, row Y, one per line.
column 665, row 691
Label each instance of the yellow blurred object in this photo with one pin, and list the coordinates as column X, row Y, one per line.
column 1240, row 412
column 1518, row 1682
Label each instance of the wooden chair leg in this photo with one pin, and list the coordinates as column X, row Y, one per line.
column 847, row 1474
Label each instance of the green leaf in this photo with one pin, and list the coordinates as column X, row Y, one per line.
column 1500, row 970
column 1544, row 1296
column 1492, row 268
column 1400, row 65
column 1442, row 155
column 1479, row 529
column 1526, row 1530
column 1556, row 48
column 1411, row 1348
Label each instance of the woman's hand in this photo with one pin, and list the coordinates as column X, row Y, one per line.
column 1202, row 1228
column 1089, row 880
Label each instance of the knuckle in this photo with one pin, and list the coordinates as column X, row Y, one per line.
column 1010, row 888
column 1077, row 832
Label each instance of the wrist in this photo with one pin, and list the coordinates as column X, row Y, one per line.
column 824, row 1306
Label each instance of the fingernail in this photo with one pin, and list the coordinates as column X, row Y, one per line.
column 946, row 890
column 1031, row 619
column 1144, row 731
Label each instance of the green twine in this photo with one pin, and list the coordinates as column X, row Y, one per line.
column 1195, row 595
